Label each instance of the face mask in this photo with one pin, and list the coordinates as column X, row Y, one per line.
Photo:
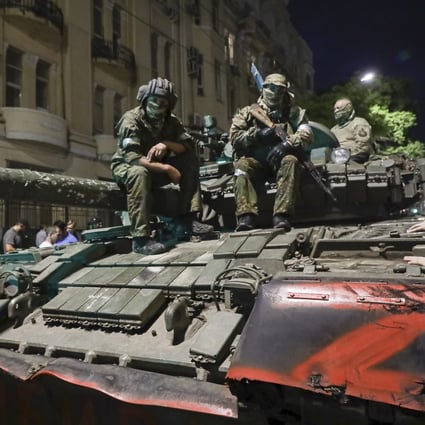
column 156, row 107
column 273, row 95
column 343, row 113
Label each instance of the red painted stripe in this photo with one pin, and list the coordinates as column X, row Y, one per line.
column 353, row 361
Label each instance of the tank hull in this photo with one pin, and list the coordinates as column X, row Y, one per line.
column 319, row 325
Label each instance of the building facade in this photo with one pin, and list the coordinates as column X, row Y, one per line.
column 70, row 68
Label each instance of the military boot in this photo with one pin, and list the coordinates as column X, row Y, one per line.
column 280, row 221
column 245, row 222
column 199, row 228
column 147, row 246
column 189, row 225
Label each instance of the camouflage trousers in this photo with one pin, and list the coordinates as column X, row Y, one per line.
column 249, row 179
column 139, row 184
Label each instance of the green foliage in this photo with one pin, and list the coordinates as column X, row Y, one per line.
column 414, row 149
column 396, row 123
column 385, row 103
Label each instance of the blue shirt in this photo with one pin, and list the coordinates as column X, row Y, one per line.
column 69, row 238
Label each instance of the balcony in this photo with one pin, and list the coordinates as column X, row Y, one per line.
column 41, row 19
column 113, row 56
column 35, row 125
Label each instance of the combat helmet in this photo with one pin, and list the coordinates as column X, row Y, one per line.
column 277, row 80
column 157, row 87
column 275, row 91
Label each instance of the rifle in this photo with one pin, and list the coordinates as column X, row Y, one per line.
column 299, row 153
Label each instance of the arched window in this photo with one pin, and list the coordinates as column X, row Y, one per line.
column 13, row 77
column 167, row 60
column 98, row 110
column 117, row 109
column 42, row 84
column 154, row 54
column 97, row 18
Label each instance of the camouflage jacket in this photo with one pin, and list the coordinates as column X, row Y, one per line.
column 355, row 135
column 245, row 125
column 136, row 136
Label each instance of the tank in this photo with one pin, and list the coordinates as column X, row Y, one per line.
column 324, row 324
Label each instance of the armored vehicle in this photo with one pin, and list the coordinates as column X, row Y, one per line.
column 324, row 324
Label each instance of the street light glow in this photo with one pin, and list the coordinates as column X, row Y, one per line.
column 369, row 76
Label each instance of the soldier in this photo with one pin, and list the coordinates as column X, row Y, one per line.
column 260, row 154
column 154, row 149
column 353, row 133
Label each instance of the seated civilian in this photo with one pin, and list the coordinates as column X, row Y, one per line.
column 51, row 238
column 64, row 237
column 13, row 238
column 41, row 235
column 71, row 226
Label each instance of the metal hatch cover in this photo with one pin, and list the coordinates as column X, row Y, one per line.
column 359, row 339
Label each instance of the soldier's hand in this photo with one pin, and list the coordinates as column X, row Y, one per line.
column 303, row 136
column 275, row 156
column 267, row 135
column 173, row 174
column 157, row 152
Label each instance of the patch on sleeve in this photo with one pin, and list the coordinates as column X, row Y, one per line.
column 362, row 132
column 128, row 142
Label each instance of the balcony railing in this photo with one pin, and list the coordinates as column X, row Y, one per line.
column 45, row 9
column 114, row 51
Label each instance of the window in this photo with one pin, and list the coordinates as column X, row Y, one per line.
column 199, row 77
column 167, row 60
column 154, row 55
column 215, row 15
column 116, row 22
column 98, row 110
column 42, row 84
column 196, row 11
column 97, row 18
column 231, row 103
column 117, row 109
column 217, row 79
column 229, row 47
column 13, row 77
column 116, row 29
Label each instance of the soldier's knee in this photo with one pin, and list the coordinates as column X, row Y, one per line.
column 291, row 159
column 241, row 167
column 136, row 175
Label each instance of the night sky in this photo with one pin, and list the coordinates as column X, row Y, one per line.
column 354, row 37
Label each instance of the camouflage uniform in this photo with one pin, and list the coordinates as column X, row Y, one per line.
column 135, row 137
column 355, row 135
column 251, row 167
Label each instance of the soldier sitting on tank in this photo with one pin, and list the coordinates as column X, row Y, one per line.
column 261, row 155
column 153, row 150
column 353, row 133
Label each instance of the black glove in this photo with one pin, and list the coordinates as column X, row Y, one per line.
column 277, row 153
column 267, row 135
